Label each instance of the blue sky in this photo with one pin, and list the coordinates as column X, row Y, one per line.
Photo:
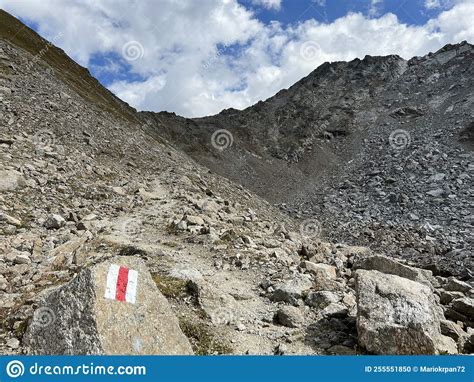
column 197, row 57
column 290, row 11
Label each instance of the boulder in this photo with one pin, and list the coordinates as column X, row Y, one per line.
column 454, row 285
column 396, row 315
column 325, row 278
column 290, row 316
column 321, row 299
column 386, row 265
column 113, row 307
column 464, row 306
column 336, row 310
column 451, row 329
column 291, row 291
column 445, row 297
column 219, row 306
column 462, row 309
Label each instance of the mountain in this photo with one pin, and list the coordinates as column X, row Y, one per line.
column 89, row 187
column 377, row 150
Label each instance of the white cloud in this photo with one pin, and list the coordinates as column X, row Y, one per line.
column 432, row 4
column 438, row 4
column 269, row 4
column 201, row 57
column 374, row 8
column 441, row 4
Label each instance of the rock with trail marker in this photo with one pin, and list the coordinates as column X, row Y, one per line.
column 113, row 307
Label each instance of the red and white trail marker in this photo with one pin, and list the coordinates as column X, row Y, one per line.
column 121, row 284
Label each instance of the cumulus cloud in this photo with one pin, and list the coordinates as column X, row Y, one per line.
column 197, row 58
column 269, row 4
column 375, row 6
column 438, row 4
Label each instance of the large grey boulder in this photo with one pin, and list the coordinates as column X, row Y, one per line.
column 111, row 308
column 396, row 315
column 386, row 265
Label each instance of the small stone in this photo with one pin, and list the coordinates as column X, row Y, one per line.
column 451, row 329
column 182, row 225
column 291, row 291
column 13, row 343
column 324, row 276
column 464, row 306
column 10, row 220
column 455, row 285
column 10, row 180
column 349, row 300
column 119, row 191
column 321, row 299
column 240, row 327
column 341, row 350
column 335, row 310
column 316, row 269
column 437, row 177
column 445, row 297
column 22, row 258
column 194, row 220
column 281, row 349
column 436, row 193
column 55, row 221
column 290, row 316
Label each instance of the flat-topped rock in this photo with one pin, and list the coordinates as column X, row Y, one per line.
column 396, row 315
column 113, row 307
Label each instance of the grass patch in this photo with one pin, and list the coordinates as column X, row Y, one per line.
column 202, row 340
column 171, row 287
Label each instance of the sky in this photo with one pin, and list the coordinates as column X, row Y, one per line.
column 198, row 57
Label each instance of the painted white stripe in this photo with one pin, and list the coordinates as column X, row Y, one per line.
column 111, row 287
column 131, row 293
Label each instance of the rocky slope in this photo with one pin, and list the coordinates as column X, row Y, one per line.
column 378, row 150
column 85, row 182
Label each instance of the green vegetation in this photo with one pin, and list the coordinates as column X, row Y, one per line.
column 202, row 340
column 171, row 287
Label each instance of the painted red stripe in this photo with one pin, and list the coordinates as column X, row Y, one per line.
column 122, row 281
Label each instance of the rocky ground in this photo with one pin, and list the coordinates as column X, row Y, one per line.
column 378, row 151
column 82, row 187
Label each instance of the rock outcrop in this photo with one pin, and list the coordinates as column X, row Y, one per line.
column 396, row 315
column 111, row 308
